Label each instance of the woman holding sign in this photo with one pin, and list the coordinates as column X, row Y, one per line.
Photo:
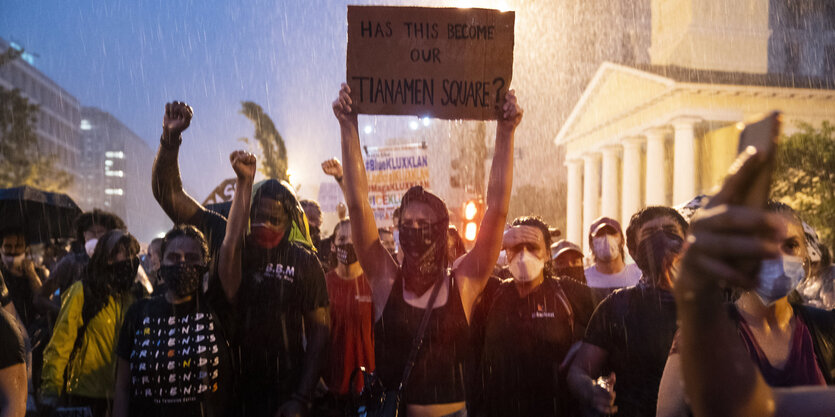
column 421, row 299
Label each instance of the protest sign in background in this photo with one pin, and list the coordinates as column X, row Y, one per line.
column 391, row 171
column 445, row 63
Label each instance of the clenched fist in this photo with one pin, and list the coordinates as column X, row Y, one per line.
column 244, row 164
column 177, row 118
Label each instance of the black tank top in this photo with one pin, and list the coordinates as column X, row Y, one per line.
column 437, row 377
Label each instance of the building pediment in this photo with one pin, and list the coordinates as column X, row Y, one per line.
column 614, row 90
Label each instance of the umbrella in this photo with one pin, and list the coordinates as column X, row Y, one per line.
column 42, row 215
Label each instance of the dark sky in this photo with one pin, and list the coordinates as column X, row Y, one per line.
column 130, row 57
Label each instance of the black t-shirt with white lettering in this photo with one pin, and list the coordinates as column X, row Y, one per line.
column 180, row 363
column 635, row 326
column 278, row 287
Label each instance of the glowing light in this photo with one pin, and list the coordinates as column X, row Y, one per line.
column 740, row 126
column 470, row 210
column 368, row 129
column 470, row 231
column 413, row 125
column 291, row 175
column 85, row 125
column 425, row 121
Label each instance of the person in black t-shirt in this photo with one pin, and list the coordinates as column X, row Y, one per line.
column 269, row 273
column 23, row 277
column 631, row 331
column 173, row 354
column 525, row 326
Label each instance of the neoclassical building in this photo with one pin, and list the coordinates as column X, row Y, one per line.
column 661, row 134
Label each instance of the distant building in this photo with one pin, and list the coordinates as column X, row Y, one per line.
column 661, row 133
column 57, row 126
column 116, row 174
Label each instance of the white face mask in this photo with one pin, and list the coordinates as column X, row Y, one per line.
column 13, row 261
column 606, row 248
column 778, row 277
column 526, row 266
column 90, row 246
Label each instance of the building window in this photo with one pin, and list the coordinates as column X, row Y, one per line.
column 114, row 191
column 109, row 173
column 85, row 125
column 115, row 154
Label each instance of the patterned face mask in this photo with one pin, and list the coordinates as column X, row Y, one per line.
column 183, row 279
column 345, row 254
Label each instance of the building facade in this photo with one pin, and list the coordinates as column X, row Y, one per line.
column 58, row 121
column 660, row 134
column 115, row 171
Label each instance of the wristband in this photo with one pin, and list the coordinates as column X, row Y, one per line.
column 166, row 143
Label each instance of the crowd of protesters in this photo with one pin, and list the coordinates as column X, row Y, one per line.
column 259, row 313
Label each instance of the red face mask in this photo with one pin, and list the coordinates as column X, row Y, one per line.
column 265, row 236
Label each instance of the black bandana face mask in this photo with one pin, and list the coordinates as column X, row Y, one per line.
column 183, row 279
column 124, row 272
column 656, row 254
column 424, row 250
column 345, row 254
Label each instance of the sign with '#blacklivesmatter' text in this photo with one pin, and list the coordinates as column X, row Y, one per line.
column 445, row 63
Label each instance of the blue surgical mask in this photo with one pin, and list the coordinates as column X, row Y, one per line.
column 778, row 277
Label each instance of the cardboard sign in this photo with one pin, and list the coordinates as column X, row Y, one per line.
column 445, row 63
column 391, row 171
column 225, row 191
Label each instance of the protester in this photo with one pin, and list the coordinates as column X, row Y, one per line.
column 567, row 261
column 89, row 227
column 314, row 221
column 631, row 331
column 13, row 375
column 401, row 293
column 152, row 262
column 173, row 354
column 352, row 320
column 455, row 245
column 609, row 270
column 79, row 362
column 525, row 327
column 23, row 278
column 269, row 273
column 791, row 343
column 387, row 239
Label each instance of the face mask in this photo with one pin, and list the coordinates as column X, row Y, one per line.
column 525, row 266
column 14, row 261
column 606, row 248
column 124, row 272
column 577, row 273
column 183, row 279
column 265, row 236
column 424, row 253
column 778, row 277
column 90, row 246
column 345, row 254
column 657, row 254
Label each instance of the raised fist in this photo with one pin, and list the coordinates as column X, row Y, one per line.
column 244, row 164
column 511, row 112
column 177, row 118
column 342, row 106
column 333, row 168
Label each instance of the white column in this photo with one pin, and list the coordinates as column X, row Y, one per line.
column 656, row 177
column 684, row 159
column 574, row 206
column 591, row 193
column 631, row 178
column 609, row 197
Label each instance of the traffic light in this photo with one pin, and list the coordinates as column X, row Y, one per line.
column 473, row 211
